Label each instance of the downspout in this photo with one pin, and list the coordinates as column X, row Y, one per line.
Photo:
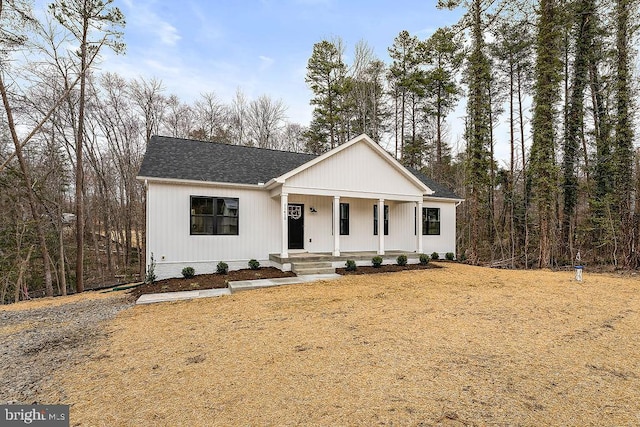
column 146, row 228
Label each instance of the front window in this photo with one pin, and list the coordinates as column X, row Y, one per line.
column 214, row 215
column 431, row 221
column 386, row 220
column 344, row 219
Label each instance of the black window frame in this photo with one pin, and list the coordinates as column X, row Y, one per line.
column 427, row 222
column 375, row 220
column 344, row 219
column 215, row 216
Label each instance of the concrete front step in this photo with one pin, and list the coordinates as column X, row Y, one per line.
column 311, row 264
column 313, row 267
column 303, row 271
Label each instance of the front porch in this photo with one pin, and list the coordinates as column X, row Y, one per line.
column 326, row 262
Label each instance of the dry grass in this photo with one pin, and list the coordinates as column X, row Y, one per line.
column 58, row 301
column 457, row 346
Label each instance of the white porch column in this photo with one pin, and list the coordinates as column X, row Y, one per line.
column 336, row 225
column 419, row 227
column 284, row 213
column 381, row 227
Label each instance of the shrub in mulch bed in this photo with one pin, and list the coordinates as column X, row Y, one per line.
column 389, row 268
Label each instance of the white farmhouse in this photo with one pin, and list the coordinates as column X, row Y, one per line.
column 209, row 202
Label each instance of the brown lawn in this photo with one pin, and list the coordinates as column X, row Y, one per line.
column 455, row 346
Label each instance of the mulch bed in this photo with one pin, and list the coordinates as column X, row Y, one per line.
column 209, row 281
column 217, row 281
column 389, row 268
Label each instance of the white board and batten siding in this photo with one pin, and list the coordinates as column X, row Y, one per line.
column 356, row 171
column 446, row 240
column 173, row 247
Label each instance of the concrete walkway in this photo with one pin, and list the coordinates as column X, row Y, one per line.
column 240, row 285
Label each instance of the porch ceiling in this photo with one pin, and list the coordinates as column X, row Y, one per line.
column 278, row 191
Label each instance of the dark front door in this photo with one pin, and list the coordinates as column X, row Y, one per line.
column 296, row 226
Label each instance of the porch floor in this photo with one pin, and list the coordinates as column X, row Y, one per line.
column 344, row 256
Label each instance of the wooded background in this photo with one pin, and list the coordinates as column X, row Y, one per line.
column 561, row 74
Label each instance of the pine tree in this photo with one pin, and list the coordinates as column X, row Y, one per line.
column 444, row 54
column 404, row 76
column 512, row 51
column 326, row 78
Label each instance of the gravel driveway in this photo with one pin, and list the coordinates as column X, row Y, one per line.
column 34, row 343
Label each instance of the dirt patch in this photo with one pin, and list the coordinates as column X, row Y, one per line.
column 209, row 281
column 458, row 345
column 41, row 338
column 387, row 268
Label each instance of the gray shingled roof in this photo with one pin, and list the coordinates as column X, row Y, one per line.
column 216, row 162
column 440, row 190
column 211, row 161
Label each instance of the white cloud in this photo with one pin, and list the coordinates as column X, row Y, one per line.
column 168, row 33
column 140, row 15
column 265, row 62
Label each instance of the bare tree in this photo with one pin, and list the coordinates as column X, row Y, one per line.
column 292, row 138
column 265, row 120
column 237, row 113
column 147, row 97
column 211, row 118
column 178, row 118
column 82, row 18
column 16, row 15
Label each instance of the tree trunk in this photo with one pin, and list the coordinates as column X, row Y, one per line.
column 79, row 164
column 48, row 283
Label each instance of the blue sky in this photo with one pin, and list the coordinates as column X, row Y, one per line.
column 260, row 46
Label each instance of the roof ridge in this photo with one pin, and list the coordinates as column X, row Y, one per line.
column 230, row 144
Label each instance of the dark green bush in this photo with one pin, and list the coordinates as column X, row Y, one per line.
column 424, row 259
column 449, row 256
column 351, row 265
column 254, row 264
column 222, row 268
column 151, row 271
column 188, row 272
column 435, row 256
column 376, row 261
column 402, row 260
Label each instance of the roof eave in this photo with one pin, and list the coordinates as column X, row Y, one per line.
column 444, row 199
column 200, row 183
